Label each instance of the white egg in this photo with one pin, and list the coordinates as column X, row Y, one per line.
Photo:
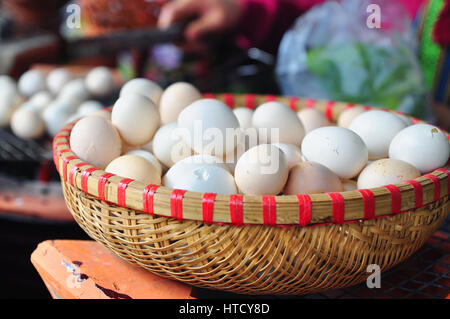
column 347, row 116
column 200, row 178
column 144, row 87
column 41, row 100
column 135, row 167
column 103, row 113
column 8, row 103
column 74, row 92
column 7, row 83
column 99, row 81
column 136, row 117
column 26, row 123
column 338, row 148
column 205, row 159
column 61, row 104
column 312, row 119
column 175, row 98
column 56, row 116
column 244, row 116
column 311, row 178
column 292, row 152
column 377, row 129
column 169, row 146
column 423, row 146
column 95, row 140
column 386, row 171
column 89, row 107
column 209, row 126
column 277, row 123
column 31, row 82
column 262, row 170
column 57, row 79
column 149, row 157
column 245, row 140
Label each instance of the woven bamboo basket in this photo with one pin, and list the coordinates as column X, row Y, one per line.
column 254, row 244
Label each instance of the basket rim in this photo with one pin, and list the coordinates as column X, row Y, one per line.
column 238, row 209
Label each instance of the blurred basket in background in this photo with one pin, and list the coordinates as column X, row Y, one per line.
column 294, row 244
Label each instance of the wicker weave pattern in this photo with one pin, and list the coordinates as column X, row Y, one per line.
column 254, row 259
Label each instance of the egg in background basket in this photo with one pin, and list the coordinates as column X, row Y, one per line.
column 57, row 79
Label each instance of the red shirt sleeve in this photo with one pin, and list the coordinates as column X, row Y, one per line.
column 264, row 22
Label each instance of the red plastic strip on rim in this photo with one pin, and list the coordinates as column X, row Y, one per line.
column 396, row 197
column 65, row 162
column 208, row 207
column 366, row 107
column 446, row 172
column 293, row 103
column 269, row 208
column 60, row 152
column 414, row 120
column 73, row 170
column 304, row 209
column 418, row 193
column 437, row 186
column 176, row 203
column 149, row 192
column 121, row 191
column 84, row 178
column 209, row 96
column 270, row 98
column 250, row 101
column 329, row 110
column 310, row 103
column 369, row 203
column 228, row 99
column 60, row 136
column 102, row 184
column 60, row 143
column 236, row 209
column 349, row 106
column 337, row 204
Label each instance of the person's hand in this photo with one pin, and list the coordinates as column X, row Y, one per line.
column 209, row 17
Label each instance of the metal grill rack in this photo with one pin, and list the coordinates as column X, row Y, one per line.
column 14, row 149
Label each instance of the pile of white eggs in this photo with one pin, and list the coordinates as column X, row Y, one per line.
column 40, row 103
column 176, row 138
